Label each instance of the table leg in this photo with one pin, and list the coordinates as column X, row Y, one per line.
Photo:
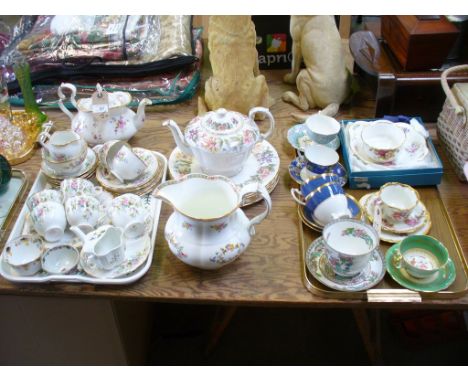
column 223, row 317
column 371, row 340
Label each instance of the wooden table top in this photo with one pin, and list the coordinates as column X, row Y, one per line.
column 269, row 272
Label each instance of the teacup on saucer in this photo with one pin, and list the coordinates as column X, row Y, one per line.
column 23, row 254
column 436, row 282
column 321, row 269
column 299, row 138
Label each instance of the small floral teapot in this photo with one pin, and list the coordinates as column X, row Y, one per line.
column 207, row 228
column 104, row 116
column 221, row 140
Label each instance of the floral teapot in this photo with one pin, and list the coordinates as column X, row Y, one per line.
column 221, row 140
column 207, row 228
column 104, row 116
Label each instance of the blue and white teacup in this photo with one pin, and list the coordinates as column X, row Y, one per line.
column 320, row 159
column 321, row 128
column 349, row 245
column 314, row 182
column 326, row 203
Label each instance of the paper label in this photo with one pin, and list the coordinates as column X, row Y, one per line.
column 100, row 104
column 378, row 217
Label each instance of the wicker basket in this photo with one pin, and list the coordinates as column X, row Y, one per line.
column 452, row 125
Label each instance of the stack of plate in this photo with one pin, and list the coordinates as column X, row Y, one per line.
column 86, row 170
column 262, row 166
column 146, row 183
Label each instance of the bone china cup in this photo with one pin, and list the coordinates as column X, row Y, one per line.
column 320, row 159
column 321, row 128
column 398, row 201
column 83, row 211
column 23, row 254
column 422, row 255
column 42, row 197
column 313, row 183
column 127, row 212
column 77, row 186
column 382, row 141
column 60, row 259
column 49, row 220
column 124, row 164
column 349, row 244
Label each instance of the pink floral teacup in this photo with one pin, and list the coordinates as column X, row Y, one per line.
column 397, row 201
column 128, row 212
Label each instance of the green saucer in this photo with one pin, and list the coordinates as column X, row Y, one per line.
column 439, row 281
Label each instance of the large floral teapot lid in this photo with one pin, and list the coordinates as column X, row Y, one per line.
column 222, row 131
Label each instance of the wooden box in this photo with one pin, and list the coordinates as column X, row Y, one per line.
column 419, row 42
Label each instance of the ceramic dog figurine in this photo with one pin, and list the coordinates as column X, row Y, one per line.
column 236, row 83
column 325, row 82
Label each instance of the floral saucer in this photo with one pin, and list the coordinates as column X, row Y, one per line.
column 87, row 166
column 262, row 166
column 414, row 222
column 435, row 283
column 318, row 265
column 136, row 253
column 151, row 171
column 298, row 138
column 311, row 222
column 414, row 148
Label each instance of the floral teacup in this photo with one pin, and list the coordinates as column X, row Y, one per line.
column 84, row 211
column 128, row 212
column 42, row 197
column 125, row 165
column 397, row 201
column 349, row 244
column 23, row 254
column 49, row 220
column 77, row 186
column 382, row 140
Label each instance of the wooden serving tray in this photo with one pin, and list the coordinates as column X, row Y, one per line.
column 388, row 289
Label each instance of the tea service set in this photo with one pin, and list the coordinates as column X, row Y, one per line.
column 395, row 214
column 227, row 143
column 112, row 232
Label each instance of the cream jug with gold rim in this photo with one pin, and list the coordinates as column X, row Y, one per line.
column 208, row 229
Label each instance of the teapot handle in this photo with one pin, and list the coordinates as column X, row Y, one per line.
column 263, row 110
column 62, row 97
column 257, row 187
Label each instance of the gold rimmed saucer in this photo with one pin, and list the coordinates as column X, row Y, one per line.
column 353, row 204
column 144, row 188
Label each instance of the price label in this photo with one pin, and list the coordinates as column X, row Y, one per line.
column 100, row 103
column 378, row 217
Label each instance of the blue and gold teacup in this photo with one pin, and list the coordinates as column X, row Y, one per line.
column 313, row 183
column 320, row 159
column 326, row 203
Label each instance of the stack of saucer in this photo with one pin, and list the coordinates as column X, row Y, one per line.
column 146, row 180
column 403, row 213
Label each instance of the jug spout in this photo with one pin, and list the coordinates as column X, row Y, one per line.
column 178, row 136
column 140, row 114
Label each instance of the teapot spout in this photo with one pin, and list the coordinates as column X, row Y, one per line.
column 140, row 114
column 178, row 137
column 78, row 232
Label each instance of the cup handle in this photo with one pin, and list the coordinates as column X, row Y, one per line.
column 297, row 196
column 255, row 188
column 398, row 258
column 117, row 176
column 264, row 110
column 43, row 137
